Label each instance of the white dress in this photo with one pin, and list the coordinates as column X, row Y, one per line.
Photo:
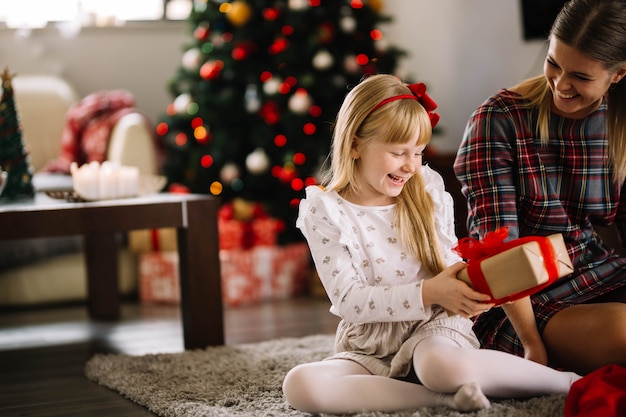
column 373, row 285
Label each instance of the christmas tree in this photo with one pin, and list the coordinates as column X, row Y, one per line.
column 258, row 90
column 13, row 157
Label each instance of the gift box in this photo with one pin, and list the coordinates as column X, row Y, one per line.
column 511, row 270
column 243, row 225
column 264, row 273
column 159, row 279
column 248, row 276
column 152, row 240
column 231, row 234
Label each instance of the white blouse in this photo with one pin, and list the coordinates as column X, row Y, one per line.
column 363, row 268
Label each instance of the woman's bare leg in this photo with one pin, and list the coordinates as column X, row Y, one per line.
column 585, row 337
column 341, row 386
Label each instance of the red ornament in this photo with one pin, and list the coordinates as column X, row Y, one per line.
column 284, row 88
column 265, row 76
column 161, row 129
column 177, row 188
column 315, row 111
column 285, row 175
column 297, row 184
column 201, row 33
column 362, row 59
column 279, row 45
column 299, row 158
column 269, row 112
column 270, row 14
column 211, row 69
column 280, row 140
column 196, row 122
column 356, row 4
column 309, row 129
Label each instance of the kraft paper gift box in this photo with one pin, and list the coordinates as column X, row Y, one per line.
column 519, row 268
column 152, row 240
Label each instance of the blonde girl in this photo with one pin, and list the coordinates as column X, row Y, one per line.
column 381, row 234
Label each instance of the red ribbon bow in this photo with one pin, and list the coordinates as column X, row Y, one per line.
column 419, row 91
column 474, row 251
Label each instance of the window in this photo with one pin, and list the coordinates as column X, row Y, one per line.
column 38, row 13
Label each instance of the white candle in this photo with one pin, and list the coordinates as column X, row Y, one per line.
column 86, row 180
column 108, row 180
column 105, row 181
column 128, row 181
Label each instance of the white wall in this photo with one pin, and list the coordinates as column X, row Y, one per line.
column 464, row 50
column 140, row 59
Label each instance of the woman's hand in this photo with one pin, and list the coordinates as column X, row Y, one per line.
column 536, row 352
column 522, row 317
column 454, row 295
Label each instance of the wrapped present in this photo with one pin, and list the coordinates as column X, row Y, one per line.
column 159, row 280
column 240, row 284
column 152, row 240
column 511, row 270
column 231, row 234
column 264, row 273
column 236, row 232
column 265, row 231
column 248, row 276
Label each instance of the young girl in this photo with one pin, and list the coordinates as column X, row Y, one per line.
column 381, row 236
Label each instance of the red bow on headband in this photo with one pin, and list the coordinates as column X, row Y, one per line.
column 419, row 91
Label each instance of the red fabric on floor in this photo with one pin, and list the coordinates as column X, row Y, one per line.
column 601, row 393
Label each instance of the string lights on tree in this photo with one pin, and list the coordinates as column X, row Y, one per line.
column 257, row 91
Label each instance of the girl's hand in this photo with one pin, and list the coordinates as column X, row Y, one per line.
column 454, row 295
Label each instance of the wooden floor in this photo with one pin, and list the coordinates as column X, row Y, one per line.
column 43, row 351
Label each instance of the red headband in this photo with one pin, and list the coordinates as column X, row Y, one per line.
column 419, row 94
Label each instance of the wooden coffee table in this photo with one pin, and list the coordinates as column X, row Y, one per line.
column 194, row 217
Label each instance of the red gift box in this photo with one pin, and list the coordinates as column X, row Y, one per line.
column 231, row 234
column 243, row 225
column 159, row 280
column 265, row 231
column 248, row 276
column 264, row 273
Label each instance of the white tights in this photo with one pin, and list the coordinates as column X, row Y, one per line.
column 455, row 377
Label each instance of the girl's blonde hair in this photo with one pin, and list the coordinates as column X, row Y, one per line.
column 596, row 29
column 396, row 122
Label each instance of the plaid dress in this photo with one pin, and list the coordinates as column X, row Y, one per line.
column 509, row 179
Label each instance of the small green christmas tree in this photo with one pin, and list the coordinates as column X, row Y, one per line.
column 257, row 93
column 13, row 156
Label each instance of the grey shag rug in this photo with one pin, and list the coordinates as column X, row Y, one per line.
column 246, row 379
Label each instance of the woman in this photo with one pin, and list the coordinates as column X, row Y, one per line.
column 549, row 156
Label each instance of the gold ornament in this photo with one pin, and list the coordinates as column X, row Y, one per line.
column 216, row 188
column 239, row 13
column 243, row 210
